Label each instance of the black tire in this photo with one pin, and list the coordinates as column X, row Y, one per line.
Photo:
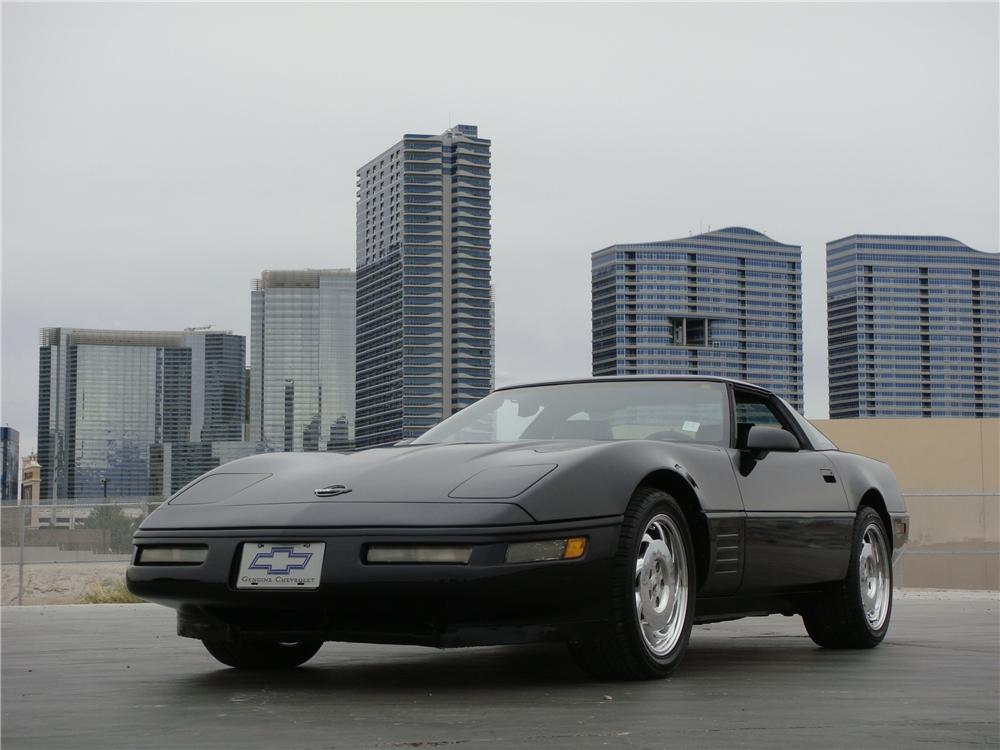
column 837, row 618
column 623, row 652
column 262, row 655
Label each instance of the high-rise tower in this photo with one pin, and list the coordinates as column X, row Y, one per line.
column 11, row 458
column 424, row 312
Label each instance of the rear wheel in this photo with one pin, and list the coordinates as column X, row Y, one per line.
column 855, row 613
column 652, row 594
column 262, row 655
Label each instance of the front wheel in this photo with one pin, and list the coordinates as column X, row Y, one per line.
column 262, row 655
column 855, row 613
column 652, row 594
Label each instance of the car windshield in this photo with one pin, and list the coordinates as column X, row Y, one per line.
column 684, row 411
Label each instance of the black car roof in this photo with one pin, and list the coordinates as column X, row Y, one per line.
column 633, row 378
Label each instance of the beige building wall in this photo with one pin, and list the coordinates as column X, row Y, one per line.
column 949, row 472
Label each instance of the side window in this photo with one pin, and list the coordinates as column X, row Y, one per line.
column 820, row 442
column 753, row 409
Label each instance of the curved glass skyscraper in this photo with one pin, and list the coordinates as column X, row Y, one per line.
column 914, row 327
column 725, row 303
column 302, row 360
column 136, row 413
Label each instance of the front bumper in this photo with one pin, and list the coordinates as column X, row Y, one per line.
column 487, row 601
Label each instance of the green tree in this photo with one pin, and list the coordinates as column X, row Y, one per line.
column 116, row 527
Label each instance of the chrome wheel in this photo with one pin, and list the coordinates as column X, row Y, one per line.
column 875, row 576
column 661, row 584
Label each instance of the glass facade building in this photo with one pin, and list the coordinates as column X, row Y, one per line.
column 914, row 327
column 218, row 362
column 725, row 303
column 136, row 413
column 10, row 450
column 424, row 295
column 302, row 360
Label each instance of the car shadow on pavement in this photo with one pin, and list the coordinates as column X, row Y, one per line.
column 540, row 665
column 412, row 668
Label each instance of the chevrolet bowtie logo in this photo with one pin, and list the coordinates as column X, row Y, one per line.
column 280, row 560
column 332, row 491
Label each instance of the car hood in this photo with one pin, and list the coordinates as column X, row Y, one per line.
column 448, row 484
column 425, row 473
column 424, row 485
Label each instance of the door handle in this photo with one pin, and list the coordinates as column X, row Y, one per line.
column 828, row 476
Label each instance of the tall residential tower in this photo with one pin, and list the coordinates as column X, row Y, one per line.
column 914, row 327
column 726, row 303
column 302, row 360
column 424, row 330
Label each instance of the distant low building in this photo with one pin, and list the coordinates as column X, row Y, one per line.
column 10, row 450
column 31, row 479
column 727, row 303
column 913, row 326
column 31, row 483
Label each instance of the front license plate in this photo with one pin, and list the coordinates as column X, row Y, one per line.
column 280, row 565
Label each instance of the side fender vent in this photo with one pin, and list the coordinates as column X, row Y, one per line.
column 727, row 551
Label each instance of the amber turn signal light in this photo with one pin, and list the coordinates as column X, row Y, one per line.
column 575, row 548
column 550, row 549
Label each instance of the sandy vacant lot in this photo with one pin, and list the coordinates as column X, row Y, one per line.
column 58, row 583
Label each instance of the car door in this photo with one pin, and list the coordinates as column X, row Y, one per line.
column 798, row 520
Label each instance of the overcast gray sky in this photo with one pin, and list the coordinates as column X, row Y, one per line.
column 156, row 158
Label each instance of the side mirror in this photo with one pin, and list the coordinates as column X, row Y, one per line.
column 761, row 440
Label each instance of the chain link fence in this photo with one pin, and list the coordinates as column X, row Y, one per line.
column 53, row 554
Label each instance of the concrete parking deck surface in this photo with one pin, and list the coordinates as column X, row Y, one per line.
column 115, row 676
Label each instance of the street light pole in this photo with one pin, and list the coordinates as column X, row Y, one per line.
column 104, row 516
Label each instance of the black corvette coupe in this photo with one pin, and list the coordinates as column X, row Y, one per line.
column 611, row 514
